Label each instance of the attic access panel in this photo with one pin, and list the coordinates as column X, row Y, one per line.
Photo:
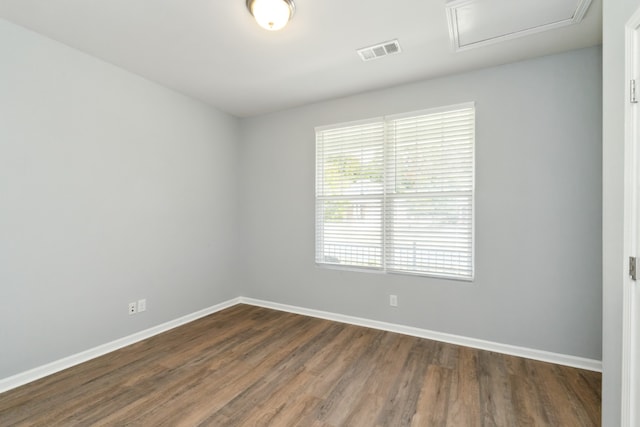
column 475, row 23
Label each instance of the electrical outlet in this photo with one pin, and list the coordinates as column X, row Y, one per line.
column 132, row 308
column 393, row 300
column 142, row 305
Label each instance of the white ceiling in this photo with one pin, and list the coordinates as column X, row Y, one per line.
column 214, row 51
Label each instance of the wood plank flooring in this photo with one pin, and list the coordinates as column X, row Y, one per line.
column 250, row 366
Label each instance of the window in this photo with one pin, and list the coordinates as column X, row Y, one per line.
column 395, row 194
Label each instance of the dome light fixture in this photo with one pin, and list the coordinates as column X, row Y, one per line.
column 271, row 15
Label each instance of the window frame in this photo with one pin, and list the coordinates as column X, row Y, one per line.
column 386, row 198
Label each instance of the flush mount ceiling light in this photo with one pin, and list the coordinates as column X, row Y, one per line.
column 271, row 15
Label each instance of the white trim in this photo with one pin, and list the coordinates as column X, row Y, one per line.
column 84, row 356
column 628, row 412
column 34, row 374
column 529, row 353
column 454, row 36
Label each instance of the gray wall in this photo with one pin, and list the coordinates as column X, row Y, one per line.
column 111, row 189
column 538, row 209
column 615, row 15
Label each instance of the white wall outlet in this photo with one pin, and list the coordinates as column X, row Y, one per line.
column 132, row 308
column 393, row 300
column 142, row 305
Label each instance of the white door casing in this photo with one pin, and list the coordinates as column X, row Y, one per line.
column 631, row 288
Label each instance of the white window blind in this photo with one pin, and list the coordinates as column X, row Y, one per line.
column 349, row 195
column 396, row 194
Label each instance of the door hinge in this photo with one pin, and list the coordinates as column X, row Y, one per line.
column 632, row 92
column 632, row 267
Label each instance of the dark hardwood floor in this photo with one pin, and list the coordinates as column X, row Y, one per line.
column 250, row 366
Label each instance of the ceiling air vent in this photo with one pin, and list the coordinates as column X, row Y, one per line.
column 379, row 50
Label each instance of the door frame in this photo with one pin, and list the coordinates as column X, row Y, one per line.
column 630, row 416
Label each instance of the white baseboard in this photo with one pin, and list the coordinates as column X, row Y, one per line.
column 529, row 353
column 75, row 359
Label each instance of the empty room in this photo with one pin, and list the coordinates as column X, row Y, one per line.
column 319, row 213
